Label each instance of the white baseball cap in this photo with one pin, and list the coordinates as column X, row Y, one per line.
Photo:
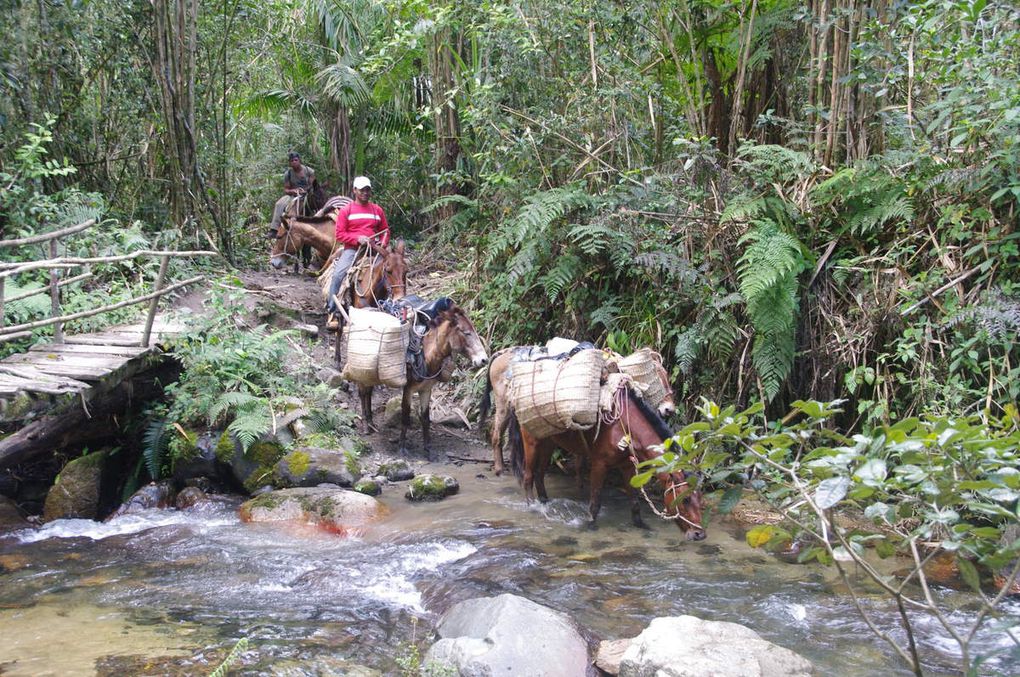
column 362, row 182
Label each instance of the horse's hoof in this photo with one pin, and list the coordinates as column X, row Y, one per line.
column 591, row 526
column 640, row 524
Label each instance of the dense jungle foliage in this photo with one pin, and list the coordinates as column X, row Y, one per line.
column 794, row 202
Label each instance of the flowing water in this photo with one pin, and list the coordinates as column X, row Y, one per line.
column 167, row 592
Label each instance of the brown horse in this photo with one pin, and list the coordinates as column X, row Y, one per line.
column 449, row 333
column 497, row 387
column 380, row 276
column 297, row 232
column 636, row 435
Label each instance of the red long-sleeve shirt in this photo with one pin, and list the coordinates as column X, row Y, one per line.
column 355, row 220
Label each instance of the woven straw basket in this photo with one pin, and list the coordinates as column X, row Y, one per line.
column 376, row 349
column 642, row 367
column 554, row 396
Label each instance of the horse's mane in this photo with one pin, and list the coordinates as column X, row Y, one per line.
column 658, row 425
column 311, row 219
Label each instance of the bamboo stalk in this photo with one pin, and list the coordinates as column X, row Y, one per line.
column 43, row 237
column 155, row 301
column 96, row 311
column 58, row 327
column 71, row 261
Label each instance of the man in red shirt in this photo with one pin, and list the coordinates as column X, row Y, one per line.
column 356, row 223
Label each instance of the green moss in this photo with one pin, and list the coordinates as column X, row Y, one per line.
column 265, row 453
column 368, row 487
column 225, row 448
column 320, row 440
column 262, row 475
column 297, row 462
column 352, row 465
column 269, row 500
column 183, row 446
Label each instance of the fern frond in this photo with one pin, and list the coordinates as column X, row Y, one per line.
column 539, row 212
column 154, row 443
column 249, row 426
column 595, row 238
column 606, row 314
column 769, row 163
column 566, row 270
column 238, row 401
column 688, row 350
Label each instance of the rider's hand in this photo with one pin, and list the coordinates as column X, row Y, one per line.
column 363, row 239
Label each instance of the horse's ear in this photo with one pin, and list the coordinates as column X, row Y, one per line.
column 399, row 247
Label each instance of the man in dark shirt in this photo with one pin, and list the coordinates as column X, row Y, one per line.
column 297, row 181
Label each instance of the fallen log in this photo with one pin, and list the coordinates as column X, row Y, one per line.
column 97, row 418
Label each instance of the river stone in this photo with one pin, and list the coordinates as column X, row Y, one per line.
column 508, row 635
column 203, row 462
column 76, row 491
column 190, row 497
column 330, row 377
column 334, row 509
column 611, row 654
column 311, row 466
column 10, row 516
column 152, row 495
column 686, row 646
column 394, row 413
column 368, row 487
column 431, row 488
column 396, row 471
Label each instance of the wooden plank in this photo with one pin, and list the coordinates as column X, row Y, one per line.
column 85, row 349
column 77, row 372
column 109, row 339
column 30, row 373
column 107, row 362
column 12, row 385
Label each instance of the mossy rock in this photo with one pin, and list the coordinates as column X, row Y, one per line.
column 431, row 488
column 76, row 491
column 368, row 487
column 225, row 448
column 396, row 471
column 311, row 466
column 337, row 510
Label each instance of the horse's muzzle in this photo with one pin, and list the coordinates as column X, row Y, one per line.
column 666, row 410
column 277, row 262
column 694, row 535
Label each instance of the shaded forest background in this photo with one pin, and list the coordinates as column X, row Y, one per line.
column 789, row 200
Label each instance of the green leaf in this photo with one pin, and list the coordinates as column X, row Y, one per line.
column 872, row 472
column 760, row 535
column 641, row 479
column 969, row 573
column 730, row 499
column 831, row 491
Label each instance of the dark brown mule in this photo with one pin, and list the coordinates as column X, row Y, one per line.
column 449, row 333
column 496, row 391
column 379, row 276
column 300, row 207
column 298, row 232
column 635, row 436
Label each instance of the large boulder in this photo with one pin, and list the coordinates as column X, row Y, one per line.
column 508, row 635
column 396, row 471
column 686, row 646
column 311, row 466
column 335, row 509
column 77, row 489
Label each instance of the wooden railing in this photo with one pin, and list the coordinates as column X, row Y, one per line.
column 56, row 264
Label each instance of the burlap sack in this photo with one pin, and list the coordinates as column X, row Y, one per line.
column 643, row 366
column 376, row 348
column 554, row 396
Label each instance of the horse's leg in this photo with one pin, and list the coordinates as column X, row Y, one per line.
column 530, row 453
column 424, row 401
column 597, row 479
column 633, row 494
column 365, row 393
column 542, row 467
column 499, row 424
column 337, row 349
column 405, row 417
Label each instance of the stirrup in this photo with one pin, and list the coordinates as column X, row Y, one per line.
column 332, row 322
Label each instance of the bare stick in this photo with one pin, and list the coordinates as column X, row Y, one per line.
column 70, row 261
column 43, row 237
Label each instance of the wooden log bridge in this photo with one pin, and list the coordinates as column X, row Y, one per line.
column 59, row 393
column 72, row 390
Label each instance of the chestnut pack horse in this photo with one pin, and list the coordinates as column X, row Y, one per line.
column 634, row 436
column 449, row 333
column 497, row 387
column 296, row 233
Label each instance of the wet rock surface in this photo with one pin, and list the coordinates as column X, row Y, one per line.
column 77, row 490
column 152, row 495
column 508, row 635
column 335, row 509
column 311, row 466
column 431, row 488
column 396, row 471
column 10, row 516
column 686, row 646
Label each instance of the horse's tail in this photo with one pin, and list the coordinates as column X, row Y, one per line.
column 483, row 406
column 516, row 446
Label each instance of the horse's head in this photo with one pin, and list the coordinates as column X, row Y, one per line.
column 283, row 244
column 393, row 271
column 681, row 495
column 667, row 407
column 683, row 503
column 461, row 336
